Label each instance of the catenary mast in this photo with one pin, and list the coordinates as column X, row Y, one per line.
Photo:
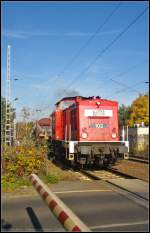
column 8, row 128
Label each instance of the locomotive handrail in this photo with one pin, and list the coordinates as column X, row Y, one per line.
column 66, row 217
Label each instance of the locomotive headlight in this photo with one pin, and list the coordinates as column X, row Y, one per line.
column 98, row 103
column 84, row 135
column 114, row 134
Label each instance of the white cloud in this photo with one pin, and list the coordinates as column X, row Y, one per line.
column 14, row 34
column 20, row 34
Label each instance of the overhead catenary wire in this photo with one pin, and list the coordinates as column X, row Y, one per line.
column 76, row 55
column 125, row 89
column 128, row 70
column 116, row 93
column 109, row 45
column 123, row 73
column 122, row 84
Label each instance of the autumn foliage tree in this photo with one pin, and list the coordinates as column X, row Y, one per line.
column 124, row 113
column 24, row 131
column 139, row 111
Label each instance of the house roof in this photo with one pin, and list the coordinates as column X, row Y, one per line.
column 44, row 122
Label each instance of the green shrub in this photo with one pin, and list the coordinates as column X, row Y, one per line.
column 13, row 182
column 52, row 178
column 19, row 162
column 22, row 160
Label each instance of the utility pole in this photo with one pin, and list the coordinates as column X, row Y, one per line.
column 8, row 128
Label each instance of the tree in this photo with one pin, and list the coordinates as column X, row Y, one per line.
column 25, row 112
column 124, row 113
column 24, row 131
column 139, row 111
column 24, row 128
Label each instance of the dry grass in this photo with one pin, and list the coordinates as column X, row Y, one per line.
column 61, row 174
column 139, row 170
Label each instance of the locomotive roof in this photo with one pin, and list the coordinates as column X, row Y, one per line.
column 82, row 98
column 76, row 97
column 65, row 99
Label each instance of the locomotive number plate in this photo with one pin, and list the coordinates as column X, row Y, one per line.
column 97, row 125
column 95, row 112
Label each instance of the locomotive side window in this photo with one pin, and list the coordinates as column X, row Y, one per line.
column 73, row 119
column 64, row 122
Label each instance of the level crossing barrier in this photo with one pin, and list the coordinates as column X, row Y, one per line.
column 66, row 217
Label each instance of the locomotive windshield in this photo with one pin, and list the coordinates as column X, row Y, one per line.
column 65, row 104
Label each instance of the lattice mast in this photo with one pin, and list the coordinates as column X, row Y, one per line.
column 8, row 128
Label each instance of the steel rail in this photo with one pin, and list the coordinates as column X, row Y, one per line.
column 139, row 160
column 114, row 171
column 96, row 177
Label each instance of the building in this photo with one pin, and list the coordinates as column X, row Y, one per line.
column 139, row 140
column 42, row 128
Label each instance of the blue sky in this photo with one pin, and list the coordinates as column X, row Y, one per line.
column 44, row 36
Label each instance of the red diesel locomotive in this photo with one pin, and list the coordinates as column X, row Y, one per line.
column 85, row 131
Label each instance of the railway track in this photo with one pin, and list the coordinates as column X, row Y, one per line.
column 122, row 183
column 106, row 174
column 109, row 175
column 139, row 160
